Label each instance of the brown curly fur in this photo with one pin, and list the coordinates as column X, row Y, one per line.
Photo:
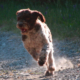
column 36, row 37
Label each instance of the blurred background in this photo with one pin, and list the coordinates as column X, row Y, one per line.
column 62, row 16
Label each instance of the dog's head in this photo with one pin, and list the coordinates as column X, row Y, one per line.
column 26, row 19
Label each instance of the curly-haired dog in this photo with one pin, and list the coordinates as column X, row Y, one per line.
column 36, row 37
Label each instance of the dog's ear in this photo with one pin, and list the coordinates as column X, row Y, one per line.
column 37, row 14
column 16, row 12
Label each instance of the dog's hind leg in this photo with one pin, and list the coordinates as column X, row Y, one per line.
column 51, row 64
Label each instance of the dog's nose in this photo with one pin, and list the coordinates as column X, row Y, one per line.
column 20, row 24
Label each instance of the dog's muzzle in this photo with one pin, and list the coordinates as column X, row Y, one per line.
column 20, row 24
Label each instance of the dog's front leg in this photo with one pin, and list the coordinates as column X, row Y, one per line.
column 43, row 57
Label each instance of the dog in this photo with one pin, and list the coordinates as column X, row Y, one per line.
column 36, row 37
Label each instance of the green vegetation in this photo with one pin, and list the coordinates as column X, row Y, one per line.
column 63, row 20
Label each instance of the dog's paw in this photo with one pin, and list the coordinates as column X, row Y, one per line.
column 49, row 73
column 41, row 63
column 51, row 68
column 43, row 57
